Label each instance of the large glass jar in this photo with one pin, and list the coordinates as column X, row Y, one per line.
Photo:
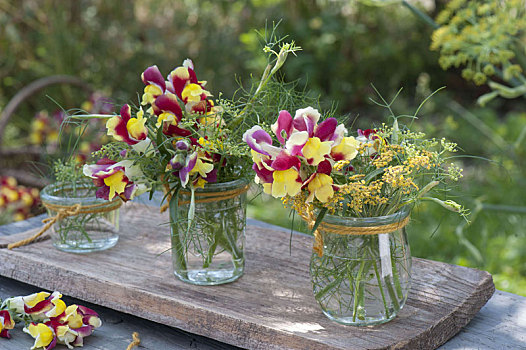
column 96, row 225
column 207, row 246
column 362, row 277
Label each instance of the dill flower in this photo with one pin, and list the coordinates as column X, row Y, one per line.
column 484, row 38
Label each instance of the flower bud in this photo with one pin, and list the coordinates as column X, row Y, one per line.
column 178, row 162
column 182, row 145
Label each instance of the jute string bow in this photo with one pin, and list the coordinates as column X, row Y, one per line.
column 64, row 211
column 348, row 230
column 204, row 197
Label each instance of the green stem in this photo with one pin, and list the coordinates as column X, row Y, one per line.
column 357, row 280
column 330, row 286
column 396, row 277
column 263, row 82
column 424, row 17
column 387, row 314
column 92, row 116
column 225, row 240
column 391, row 292
column 177, row 247
column 211, row 251
column 504, row 208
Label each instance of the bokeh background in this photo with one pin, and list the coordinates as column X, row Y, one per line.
column 347, row 46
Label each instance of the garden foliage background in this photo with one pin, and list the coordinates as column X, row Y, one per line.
column 347, row 45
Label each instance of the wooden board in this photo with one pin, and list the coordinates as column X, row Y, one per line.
column 270, row 307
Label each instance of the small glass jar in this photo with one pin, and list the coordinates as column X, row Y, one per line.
column 209, row 249
column 94, row 228
column 362, row 279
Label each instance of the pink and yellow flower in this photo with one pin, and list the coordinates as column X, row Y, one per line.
column 260, row 141
column 194, row 165
column 89, row 317
column 194, row 93
column 44, row 336
column 306, row 119
column 321, row 187
column 283, row 127
column 202, row 167
column 169, row 114
column 183, row 82
column 315, row 150
column 127, row 129
column 286, row 182
column 6, row 323
column 369, row 138
column 347, row 149
column 262, row 167
column 166, row 97
column 40, row 309
column 155, row 84
column 65, row 335
column 113, row 179
column 180, row 77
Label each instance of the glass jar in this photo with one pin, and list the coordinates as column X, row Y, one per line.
column 94, row 228
column 362, row 279
column 208, row 248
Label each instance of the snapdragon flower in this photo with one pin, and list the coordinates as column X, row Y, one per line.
column 113, row 178
column 6, row 323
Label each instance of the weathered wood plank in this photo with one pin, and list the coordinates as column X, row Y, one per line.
column 271, row 307
column 21, row 226
column 500, row 325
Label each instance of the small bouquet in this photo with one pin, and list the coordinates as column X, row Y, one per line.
column 182, row 140
column 48, row 319
column 356, row 193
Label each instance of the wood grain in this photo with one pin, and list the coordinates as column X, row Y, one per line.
column 499, row 325
column 270, row 307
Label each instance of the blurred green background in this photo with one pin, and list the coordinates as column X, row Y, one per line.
column 346, row 45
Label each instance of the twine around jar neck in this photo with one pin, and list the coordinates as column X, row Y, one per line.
column 204, row 197
column 348, row 230
column 64, row 211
